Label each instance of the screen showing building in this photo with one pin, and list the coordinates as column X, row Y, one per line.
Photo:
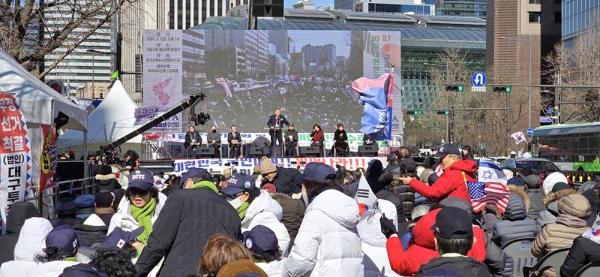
column 307, row 74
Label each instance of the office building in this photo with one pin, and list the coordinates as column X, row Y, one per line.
column 472, row 8
column 577, row 16
column 90, row 62
column 394, row 6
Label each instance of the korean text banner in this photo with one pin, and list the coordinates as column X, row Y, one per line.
column 15, row 155
column 163, row 73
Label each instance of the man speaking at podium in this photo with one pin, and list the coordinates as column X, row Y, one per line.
column 275, row 125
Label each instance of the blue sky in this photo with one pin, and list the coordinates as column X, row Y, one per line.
column 290, row 3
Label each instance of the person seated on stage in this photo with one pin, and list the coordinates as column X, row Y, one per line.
column 213, row 139
column 340, row 139
column 275, row 124
column 318, row 137
column 235, row 142
column 291, row 141
column 368, row 140
column 192, row 140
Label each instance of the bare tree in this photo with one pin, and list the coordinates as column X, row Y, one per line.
column 577, row 63
column 29, row 30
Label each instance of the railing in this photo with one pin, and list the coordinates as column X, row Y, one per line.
column 52, row 195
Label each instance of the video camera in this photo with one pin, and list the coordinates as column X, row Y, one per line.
column 340, row 172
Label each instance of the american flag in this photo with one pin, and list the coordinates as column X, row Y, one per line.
column 489, row 189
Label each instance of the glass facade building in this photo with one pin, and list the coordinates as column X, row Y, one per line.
column 423, row 39
column 577, row 16
column 474, row 8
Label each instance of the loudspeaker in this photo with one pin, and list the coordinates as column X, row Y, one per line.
column 258, row 151
column 313, row 151
column 368, row 150
column 205, row 151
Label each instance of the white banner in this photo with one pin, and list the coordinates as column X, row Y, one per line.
column 246, row 165
column 144, row 115
column 163, row 73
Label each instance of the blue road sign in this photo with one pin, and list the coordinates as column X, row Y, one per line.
column 550, row 111
column 544, row 119
column 529, row 132
column 478, row 79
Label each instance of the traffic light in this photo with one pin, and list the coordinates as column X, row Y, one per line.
column 415, row 112
column 502, row 89
column 442, row 112
column 458, row 88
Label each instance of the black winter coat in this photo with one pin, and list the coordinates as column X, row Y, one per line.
column 67, row 220
column 582, row 252
column 464, row 266
column 107, row 182
column 594, row 200
column 188, row 218
column 19, row 212
column 288, row 180
column 293, row 212
column 91, row 234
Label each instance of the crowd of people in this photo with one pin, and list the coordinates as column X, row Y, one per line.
column 244, row 107
column 403, row 219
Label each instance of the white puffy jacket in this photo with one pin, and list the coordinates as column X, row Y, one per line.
column 327, row 243
column 375, row 259
column 267, row 212
column 273, row 269
column 32, row 240
column 124, row 219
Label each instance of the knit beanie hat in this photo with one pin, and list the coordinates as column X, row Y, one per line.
column 227, row 173
column 560, row 186
column 551, row 180
column 533, row 181
column 576, row 205
column 266, row 166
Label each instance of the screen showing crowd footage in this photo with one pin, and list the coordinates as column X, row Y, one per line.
column 247, row 74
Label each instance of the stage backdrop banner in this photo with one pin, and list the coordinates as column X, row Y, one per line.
column 15, row 155
column 48, row 158
column 354, row 139
column 246, row 165
column 163, row 73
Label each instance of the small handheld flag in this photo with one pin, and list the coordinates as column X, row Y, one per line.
column 489, row 189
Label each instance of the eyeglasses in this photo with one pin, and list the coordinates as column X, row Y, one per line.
column 137, row 191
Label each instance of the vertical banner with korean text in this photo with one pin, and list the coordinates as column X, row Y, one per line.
column 48, row 158
column 381, row 51
column 163, row 73
column 15, row 155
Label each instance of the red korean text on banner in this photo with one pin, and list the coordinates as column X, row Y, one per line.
column 48, row 158
column 15, row 155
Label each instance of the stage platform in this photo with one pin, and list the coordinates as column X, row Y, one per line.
column 246, row 165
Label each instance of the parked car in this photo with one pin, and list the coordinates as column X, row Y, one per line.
column 538, row 165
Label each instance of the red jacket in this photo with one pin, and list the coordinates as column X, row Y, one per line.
column 450, row 184
column 408, row 263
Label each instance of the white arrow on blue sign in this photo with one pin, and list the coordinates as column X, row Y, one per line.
column 479, row 79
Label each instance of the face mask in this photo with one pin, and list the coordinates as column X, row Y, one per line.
column 305, row 197
column 214, row 131
column 236, row 203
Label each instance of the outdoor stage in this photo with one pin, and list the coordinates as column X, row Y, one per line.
column 246, row 165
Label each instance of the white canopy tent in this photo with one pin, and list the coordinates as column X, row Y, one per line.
column 111, row 120
column 39, row 104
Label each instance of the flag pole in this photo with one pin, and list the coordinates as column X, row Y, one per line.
column 390, row 105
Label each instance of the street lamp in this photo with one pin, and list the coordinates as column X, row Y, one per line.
column 94, row 52
column 529, row 89
column 447, row 99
